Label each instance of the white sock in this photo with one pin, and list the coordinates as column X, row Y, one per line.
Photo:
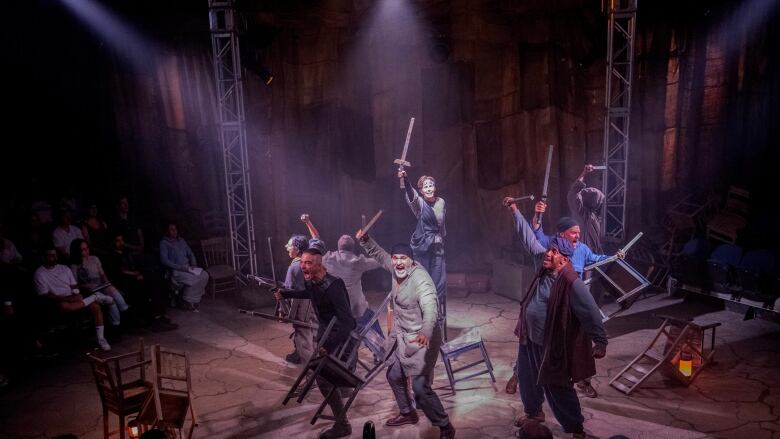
column 99, row 331
column 88, row 300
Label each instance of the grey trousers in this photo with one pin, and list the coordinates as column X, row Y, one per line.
column 303, row 337
column 424, row 396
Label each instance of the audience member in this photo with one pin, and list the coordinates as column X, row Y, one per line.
column 33, row 241
column 125, row 223
column 56, row 283
column 65, row 233
column 91, row 278
column 94, row 230
column 177, row 256
column 145, row 293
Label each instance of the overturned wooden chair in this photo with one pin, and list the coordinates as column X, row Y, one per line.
column 122, row 385
column 682, row 356
column 170, row 403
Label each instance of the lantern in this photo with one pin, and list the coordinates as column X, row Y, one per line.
column 686, row 364
column 132, row 429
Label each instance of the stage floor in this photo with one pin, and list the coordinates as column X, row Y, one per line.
column 240, row 378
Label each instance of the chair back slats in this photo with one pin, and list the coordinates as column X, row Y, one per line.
column 215, row 251
column 121, row 384
column 172, row 390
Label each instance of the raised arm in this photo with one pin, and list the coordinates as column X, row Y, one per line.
column 310, row 225
column 524, row 231
column 375, row 251
column 411, row 196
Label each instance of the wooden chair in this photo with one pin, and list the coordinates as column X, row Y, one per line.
column 123, row 387
column 726, row 225
column 217, row 260
column 171, row 396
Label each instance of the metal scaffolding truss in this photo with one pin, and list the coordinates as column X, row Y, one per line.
column 620, row 67
column 232, row 134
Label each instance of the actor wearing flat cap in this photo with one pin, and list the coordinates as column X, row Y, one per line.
column 414, row 340
column 559, row 330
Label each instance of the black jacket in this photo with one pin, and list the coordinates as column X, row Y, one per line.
column 330, row 298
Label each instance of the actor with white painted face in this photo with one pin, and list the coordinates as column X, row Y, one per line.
column 414, row 340
column 428, row 238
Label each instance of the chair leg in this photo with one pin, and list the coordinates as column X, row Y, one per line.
column 487, row 360
column 448, row 368
column 121, row 427
column 105, row 423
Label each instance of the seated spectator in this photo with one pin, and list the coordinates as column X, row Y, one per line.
column 56, row 283
column 177, row 257
column 124, row 222
column 33, row 241
column 121, row 268
column 94, row 230
column 14, row 275
column 64, row 234
column 9, row 255
column 91, row 278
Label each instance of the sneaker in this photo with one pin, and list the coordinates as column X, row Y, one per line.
column 103, row 299
column 525, row 417
column 103, row 344
column 337, row 431
column 403, row 419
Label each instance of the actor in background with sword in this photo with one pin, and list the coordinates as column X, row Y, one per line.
column 428, row 238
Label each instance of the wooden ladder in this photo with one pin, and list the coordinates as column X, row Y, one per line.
column 649, row 360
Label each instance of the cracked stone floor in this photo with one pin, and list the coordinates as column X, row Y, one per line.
column 240, row 378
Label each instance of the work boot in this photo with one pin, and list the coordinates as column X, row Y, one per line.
column 403, row 419
column 338, row 430
column 511, row 385
column 447, row 432
column 587, row 389
column 293, row 358
column 521, row 419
